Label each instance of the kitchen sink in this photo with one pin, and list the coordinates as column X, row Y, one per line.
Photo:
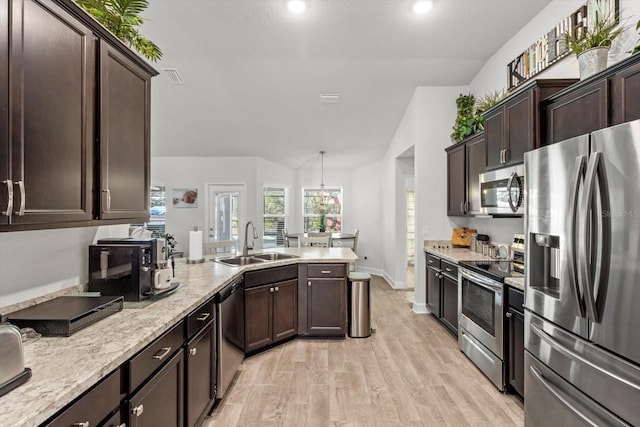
column 237, row 261
column 273, row 256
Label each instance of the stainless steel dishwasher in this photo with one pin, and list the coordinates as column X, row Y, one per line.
column 230, row 311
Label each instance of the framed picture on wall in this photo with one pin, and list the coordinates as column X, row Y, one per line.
column 185, row 197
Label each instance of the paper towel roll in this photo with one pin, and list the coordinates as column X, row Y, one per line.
column 195, row 245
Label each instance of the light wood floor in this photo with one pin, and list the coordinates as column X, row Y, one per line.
column 409, row 373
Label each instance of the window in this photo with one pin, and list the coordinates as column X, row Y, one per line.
column 274, row 216
column 158, row 211
column 322, row 208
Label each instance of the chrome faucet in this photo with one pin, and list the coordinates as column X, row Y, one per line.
column 246, row 247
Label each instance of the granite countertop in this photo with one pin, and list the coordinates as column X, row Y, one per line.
column 515, row 282
column 462, row 254
column 65, row 367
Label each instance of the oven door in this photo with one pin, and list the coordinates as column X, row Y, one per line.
column 481, row 309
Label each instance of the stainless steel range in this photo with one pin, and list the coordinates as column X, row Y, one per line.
column 481, row 311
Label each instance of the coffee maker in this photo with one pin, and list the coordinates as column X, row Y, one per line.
column 161, row 276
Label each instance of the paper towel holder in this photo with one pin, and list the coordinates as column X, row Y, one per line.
column 195, row 261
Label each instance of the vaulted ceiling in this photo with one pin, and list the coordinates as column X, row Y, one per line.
column 253, row 72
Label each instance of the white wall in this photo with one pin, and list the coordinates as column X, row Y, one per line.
column 426, row 126
column 34, row 263
column 196, row 172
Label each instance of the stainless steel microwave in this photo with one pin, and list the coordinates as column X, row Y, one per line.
column 502, row 191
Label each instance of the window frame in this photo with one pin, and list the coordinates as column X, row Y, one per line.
column 327, row 189
column 284, row 215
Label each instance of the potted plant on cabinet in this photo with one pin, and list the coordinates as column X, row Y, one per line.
column 487, row 101
column 122, row 17
column 592, row 46
column 637, row 48
column 466, row 123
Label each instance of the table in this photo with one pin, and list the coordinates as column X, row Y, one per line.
column 337, row 239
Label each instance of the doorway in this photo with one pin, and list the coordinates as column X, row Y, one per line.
column 225, row 212
column 411, row 237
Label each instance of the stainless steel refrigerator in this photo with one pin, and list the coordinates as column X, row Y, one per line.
column 582, row 318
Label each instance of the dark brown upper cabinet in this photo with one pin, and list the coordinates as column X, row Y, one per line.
column 604, row 99
column 512, row 127
column 465, row 163
column 74, row 120
column 46, row 164
column 125, row 112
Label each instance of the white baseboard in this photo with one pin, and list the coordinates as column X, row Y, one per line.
column 420, row 308
column 369, row 270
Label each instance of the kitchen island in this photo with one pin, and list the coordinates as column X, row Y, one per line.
column 64, row 368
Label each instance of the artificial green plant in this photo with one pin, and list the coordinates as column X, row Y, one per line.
column 466, row 123
column 122, row 17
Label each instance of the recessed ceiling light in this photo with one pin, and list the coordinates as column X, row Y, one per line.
column 296, row 6
column 422, row 7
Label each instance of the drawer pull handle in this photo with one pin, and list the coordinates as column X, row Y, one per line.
column 161, row 354
column 277, row 289
column 84, row 424
column 138, row 410
column 203, row 317
column 193, row 351
column 270, row 289
column 430, row 261
column 326, row 272
column 448, row 269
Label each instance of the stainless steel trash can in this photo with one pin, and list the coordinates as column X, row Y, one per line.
column 359, row 305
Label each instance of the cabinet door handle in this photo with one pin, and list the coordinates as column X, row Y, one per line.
column 193, row 351
column 20, row 211
column 277, row 289
column 203, row 317
column 448, row 269
column 138, row 410
column 270, row 289
column 9, row 197
column 162, row 353
column 107, row 193
column 81, row 424
column 309, row 283
column 506, row 155
column 509, row 315
column 326, row 272
column 431, row 261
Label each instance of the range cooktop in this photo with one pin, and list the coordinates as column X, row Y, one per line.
column 495, row 269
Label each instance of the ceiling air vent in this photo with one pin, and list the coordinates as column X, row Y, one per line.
column 173, row 76
column 329, row 98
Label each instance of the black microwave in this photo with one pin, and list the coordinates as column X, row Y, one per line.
column 502, row 191
column 121, row 269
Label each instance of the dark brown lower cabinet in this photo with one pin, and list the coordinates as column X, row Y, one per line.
column 92, row 408
column 200, row 375
column 515, row 341
column 271, row 314
column 450, row 303
column 160, row 401
column 326, row 307
column 434, row 285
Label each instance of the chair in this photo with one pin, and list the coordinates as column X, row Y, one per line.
column 355, row 240
column 322, row 234
column 221, row 248
column 317, row 241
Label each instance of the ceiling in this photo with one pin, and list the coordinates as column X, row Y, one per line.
column 253, row 72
